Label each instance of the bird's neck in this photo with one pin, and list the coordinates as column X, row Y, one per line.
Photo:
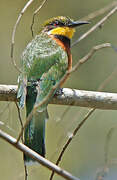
column 64, row 40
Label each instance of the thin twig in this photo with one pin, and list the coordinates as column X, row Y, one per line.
column 25, row 167
column 37, row 157
column 89, row 55
column 104, row 171
column 19, row 114
column 98, row 24
column 1, row 113
column 34, row 14
column 70, row 139
column 64, row 113
column 4, row 109
column 20, row 119
column 108, row 79
column 107, row 144
column 25, row 171
column 14, row 32
column 99, row 12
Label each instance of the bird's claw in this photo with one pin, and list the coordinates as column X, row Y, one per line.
column 59, row 92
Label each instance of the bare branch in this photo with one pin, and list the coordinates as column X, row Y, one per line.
column 99, row 12
column 108, row 79
column 71, row 137
column 8, row 92
column 20, row 119
column 36, row 156
column 90, row 99
column 72, row 97
column 34, row 14
column 21, row 123
column 98, row 24
column 89, row 55
column 25, row 171
column 19, row 115
column 103, row 172
column 14, row 32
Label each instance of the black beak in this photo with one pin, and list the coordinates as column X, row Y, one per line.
column 77, row 23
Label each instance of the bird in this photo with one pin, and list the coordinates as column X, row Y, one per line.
column 44, row 62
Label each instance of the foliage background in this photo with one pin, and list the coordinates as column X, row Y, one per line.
column 85, row 155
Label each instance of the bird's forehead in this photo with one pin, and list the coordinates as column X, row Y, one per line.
column 59, row 19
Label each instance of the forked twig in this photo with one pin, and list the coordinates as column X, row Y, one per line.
column 34, row 14
column 14, row 32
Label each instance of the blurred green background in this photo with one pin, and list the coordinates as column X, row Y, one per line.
column 85, row 156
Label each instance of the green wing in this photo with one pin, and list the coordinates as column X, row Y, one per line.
column 43, row 60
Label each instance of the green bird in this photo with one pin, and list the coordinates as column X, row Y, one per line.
column 44, row 62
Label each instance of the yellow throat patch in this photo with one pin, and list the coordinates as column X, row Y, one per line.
column 63, row 31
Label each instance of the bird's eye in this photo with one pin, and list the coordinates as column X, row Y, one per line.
column 56, row 23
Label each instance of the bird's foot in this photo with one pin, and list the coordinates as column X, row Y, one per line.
column 59, row 91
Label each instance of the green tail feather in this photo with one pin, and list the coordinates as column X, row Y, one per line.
column 34, row 136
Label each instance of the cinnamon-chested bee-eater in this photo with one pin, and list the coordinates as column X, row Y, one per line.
column 45, row 61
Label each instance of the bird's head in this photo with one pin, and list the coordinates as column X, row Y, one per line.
column 62, row 26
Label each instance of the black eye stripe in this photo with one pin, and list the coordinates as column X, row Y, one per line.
column 55, row 23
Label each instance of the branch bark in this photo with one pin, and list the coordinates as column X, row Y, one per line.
column 36, row 156
column 90, row 99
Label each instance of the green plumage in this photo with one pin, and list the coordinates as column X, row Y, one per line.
column 44, row 62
